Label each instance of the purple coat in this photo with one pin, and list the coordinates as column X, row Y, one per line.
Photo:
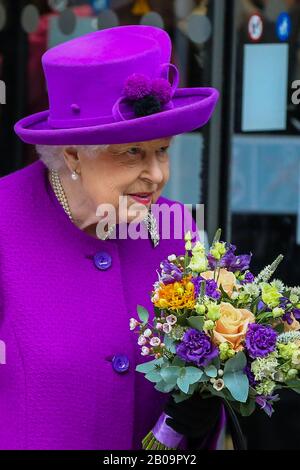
column 62, row 321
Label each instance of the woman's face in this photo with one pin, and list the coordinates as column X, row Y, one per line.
column 126, row 170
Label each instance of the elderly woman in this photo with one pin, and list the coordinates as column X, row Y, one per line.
column 70, row 282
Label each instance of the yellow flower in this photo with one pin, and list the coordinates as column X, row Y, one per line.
column 176, row 295
column 232, row 325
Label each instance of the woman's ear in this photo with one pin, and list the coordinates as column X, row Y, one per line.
column 71, row 158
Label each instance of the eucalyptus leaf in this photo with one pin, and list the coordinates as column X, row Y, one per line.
column 193, row 388
column 153, row 376
column 163, row 387
column 196, row 322
column 169, row 343
column 236, row 363
column 238, row 385
column 294, row 385
column 143, row 314
column 204, row 378
column 148, row 366
column 183, row 384
column 193, row 374
column 211, row 371
column 246, row 409
column 170, row 374
column 178, row 362
column 179, row 397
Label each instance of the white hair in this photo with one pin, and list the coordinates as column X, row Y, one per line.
column 52, row 155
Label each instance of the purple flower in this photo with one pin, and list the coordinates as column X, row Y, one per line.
column 296, row 313
column 250, row 375
column 260, row 340
column 230, row 261
column 211, row 287
column 266, row 402
column 248, row 279
column 261, row 306
column 287, row 317
column 170, row 272
column 283, row 302
column 196, row 347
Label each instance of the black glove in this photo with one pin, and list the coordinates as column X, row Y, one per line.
column 195, row 417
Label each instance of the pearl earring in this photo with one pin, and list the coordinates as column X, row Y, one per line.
column 74, row 175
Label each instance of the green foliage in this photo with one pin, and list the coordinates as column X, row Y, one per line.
column 234, row 378
column 149, row 366
column 211, row 371
column 143, row 314
column 170, row 344
column 196, row 322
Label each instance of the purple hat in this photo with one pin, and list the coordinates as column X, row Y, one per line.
column 113, row 86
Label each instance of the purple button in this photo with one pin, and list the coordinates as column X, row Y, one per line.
column 120, row 363
column 102, row 260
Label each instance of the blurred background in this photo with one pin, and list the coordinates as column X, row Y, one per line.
column 244, row 166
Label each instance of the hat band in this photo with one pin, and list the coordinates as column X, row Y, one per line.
column 74, row 123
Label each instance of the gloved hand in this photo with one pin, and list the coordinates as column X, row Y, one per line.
column 195, row 417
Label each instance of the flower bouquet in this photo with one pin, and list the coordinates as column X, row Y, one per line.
column 218, row 330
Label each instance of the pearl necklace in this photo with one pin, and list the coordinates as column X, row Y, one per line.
column 149, row 220
column 60, row 193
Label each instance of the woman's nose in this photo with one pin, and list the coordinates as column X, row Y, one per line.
column 153, row 170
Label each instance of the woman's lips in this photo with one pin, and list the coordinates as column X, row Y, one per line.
column 143, row 198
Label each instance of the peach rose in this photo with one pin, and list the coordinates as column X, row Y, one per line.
column 295, row 326
column 232, row 325
column 226, row 278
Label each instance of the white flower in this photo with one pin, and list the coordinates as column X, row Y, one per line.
column 234, row 295
column 147, row 333
column 171, row 319
column 159, row 326
column 251, row 289
column 145, row 351
column 199, row 248
column 167, row 328
column 278, row 285
column 172, row 258
column 133, row 323
column 187, row 236
column 219, row 385
column 296, row 358
column 155, row 341
column 142, row 340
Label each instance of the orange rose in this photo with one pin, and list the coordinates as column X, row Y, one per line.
column 232, row 325
column 226, row 278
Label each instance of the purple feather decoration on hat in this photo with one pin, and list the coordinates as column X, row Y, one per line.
column 146, row 94
column 137, row 86
column 162, row 90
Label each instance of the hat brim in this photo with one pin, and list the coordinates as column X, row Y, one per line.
column 192, row 109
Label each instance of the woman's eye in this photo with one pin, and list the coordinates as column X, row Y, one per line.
column 163, row 149
column 133, row 151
